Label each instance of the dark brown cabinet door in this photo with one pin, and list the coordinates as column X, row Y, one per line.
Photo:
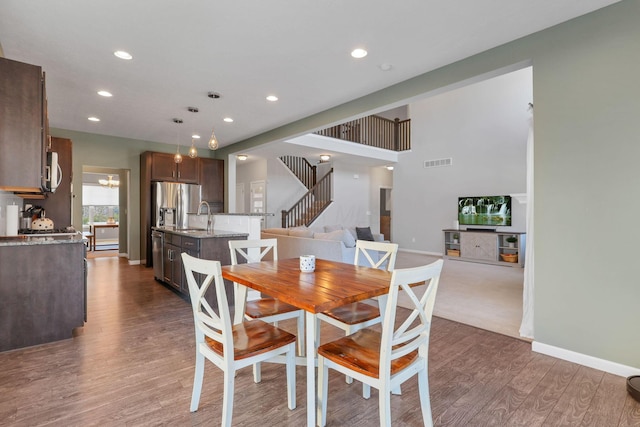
column 21, row 126
column 212, row 181
column 164, row 168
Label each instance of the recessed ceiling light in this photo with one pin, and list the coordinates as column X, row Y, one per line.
column 358, row 53
column 105, row 93
column 122, row 54
column 228, row 119
column 386, row 67
column 272, row 98
column 195, row 136
column 94, row 119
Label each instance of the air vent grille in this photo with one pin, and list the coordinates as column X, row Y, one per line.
column 438, row 162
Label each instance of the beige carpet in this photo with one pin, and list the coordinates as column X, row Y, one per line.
column 480, row 295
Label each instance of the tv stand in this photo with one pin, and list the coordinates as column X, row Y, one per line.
column 485, row 246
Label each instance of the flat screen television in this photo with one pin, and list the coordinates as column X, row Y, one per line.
column 485, row 211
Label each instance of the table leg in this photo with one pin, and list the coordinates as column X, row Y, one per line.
column 312, row 346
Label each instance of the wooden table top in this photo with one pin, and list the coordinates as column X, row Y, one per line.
column 331, row 285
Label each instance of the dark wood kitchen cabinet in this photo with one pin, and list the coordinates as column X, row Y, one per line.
column 164, row 168
column 23, row 126
column 42, row 292
column 212, row 182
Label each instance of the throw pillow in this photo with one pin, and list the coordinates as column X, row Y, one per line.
column 348, row 239
column 339, row 236
column 364, row 233
column 330, row 228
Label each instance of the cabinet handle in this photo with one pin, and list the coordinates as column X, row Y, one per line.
column 178, row 174
column 173, row 174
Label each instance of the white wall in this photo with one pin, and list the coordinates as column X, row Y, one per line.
column 483, row 127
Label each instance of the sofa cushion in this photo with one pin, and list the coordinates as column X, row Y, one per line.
column 330, row 228
column 282, row 231
column 300, row 232
column 364, row 233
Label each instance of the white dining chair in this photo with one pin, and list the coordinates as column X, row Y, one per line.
column 230, row 347
column 358, row 315
column 267, row 309
column 386, row 359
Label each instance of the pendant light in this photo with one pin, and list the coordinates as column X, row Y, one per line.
column 193, row 151
column 213, row 141
column 177, row 157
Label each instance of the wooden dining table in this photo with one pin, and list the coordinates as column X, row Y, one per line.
column 331, row 285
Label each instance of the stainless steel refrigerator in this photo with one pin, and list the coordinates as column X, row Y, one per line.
column 172, row 201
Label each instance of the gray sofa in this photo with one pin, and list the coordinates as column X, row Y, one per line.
column 331, row 242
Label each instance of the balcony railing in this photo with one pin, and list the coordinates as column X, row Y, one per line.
column 374, row 131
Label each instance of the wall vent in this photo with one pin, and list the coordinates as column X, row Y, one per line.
column 439, row 162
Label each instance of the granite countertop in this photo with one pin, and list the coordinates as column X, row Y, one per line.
column 200, row 233
column 40, row 239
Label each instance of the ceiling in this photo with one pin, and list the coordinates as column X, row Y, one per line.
column 245, row 50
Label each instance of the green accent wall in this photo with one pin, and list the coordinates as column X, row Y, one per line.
column 586, row 94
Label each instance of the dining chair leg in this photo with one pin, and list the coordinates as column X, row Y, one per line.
column 301, row 337
column 197, row 382
column 227, row 398
column 425, row 400
column 323, row 385
column 257, row 373
column 291, row 377
column 384, row 402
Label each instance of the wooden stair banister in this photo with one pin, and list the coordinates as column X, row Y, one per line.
column 302, row 169
column 311, row 205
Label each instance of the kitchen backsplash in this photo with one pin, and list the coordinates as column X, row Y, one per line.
column 7, row 198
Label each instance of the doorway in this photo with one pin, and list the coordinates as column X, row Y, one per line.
column 103, row 210
column 385, row 213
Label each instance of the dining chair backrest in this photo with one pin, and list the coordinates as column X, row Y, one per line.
column 387, row 250
column 253, row 250
column 208, row 322
column 413, row 333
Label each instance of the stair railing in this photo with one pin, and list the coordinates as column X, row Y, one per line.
column 374, row 131
column 311, row 205
column 302, row 169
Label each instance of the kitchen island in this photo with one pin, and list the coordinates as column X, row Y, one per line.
column 169, row 243
column 42, row 289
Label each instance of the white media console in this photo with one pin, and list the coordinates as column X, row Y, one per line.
column 489, row 247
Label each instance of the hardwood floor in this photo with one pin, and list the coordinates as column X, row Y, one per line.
column 132, row 364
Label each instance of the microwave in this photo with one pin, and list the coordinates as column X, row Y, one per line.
column 53, row 172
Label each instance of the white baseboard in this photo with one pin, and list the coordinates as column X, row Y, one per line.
column 123, row 255
column 135, row 262
column 585, row 360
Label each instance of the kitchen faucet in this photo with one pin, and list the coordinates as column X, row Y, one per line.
column 209, row 227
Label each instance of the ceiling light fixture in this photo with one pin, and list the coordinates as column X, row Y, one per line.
column 389, row 168
column 123, row 55
column 105, row 93
column 358, row 53
column 93, row 119
column 242, row 157
column 272, row 98
column 325, row 157
column 213, row 141
column 228, row 119
column 109, row 182
column 177, row 157
column 193, row 151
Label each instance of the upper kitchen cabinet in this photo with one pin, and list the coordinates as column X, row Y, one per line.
column 23, row 127
column 164, row 168
column 212, row 182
